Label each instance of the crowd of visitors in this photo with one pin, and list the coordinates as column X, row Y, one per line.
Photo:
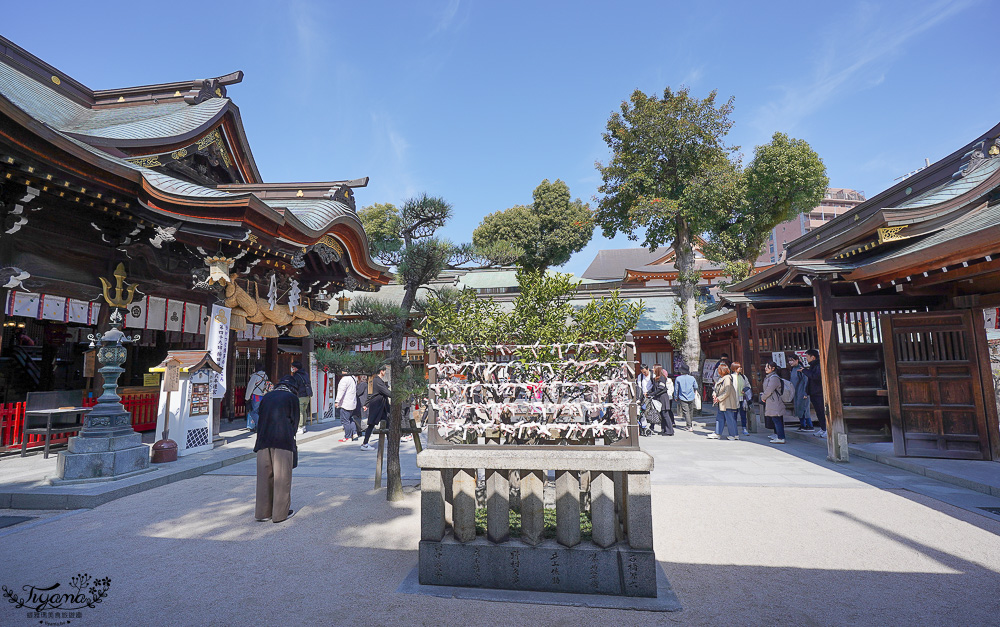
column 278, row 413
column 732, row 394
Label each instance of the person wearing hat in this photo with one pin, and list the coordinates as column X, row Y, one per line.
column 276, row 452
column 303, row 390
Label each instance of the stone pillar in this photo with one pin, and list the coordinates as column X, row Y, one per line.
column 602, row 509
column 448, row 479
column 639, row 512
column 620, row 505
column 464, row 507
column 497, row 506
column 532, row 506
column 568, row 507
column 431, row 505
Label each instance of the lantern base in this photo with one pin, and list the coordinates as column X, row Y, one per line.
column 102, row 458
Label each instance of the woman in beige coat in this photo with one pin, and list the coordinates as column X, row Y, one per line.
column 774, row 407
column 728, row 401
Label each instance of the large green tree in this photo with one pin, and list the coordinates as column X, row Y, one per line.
column 404, row 239
column 671, row 177
column 549, row 230
column 785, row 178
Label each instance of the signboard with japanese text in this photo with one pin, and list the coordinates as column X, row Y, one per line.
column 217, row 345
column 171, row 378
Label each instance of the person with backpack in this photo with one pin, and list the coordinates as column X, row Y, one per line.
column 257, row 387
column 303, row 388
column 774, row 406
column 801, row 402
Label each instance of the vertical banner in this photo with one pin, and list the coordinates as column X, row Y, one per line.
column 135, row 314
column 318, row 403
column 217, row 344
column 175, row 315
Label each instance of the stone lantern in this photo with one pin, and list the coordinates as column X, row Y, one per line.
column 107, row 447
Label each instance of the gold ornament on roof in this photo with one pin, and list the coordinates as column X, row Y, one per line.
column 890, row 234
column 123, row 294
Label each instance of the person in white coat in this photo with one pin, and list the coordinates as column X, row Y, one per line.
column 346, row 403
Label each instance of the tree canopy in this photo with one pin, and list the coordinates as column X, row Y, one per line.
column 785, row 178
column 670, row 177
column 542, row 314
column 402, row 238
column 548, row 231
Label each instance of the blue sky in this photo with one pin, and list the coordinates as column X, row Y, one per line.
column 479, row 101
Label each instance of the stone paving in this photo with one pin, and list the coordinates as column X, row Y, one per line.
column 747, row 533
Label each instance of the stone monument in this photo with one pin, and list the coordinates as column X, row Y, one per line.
column 600, row 474
column 107, row 447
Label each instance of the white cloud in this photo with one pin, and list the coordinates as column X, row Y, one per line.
column 392, row 176
column 692, row 77
column 850, row 49
column 448, row 17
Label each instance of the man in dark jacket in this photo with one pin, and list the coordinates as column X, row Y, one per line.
column 815, row 389
column 362, row 406
column 302, row 388
column 276, row 450
column 378, row 406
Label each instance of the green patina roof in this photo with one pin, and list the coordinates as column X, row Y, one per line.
column 152, row 121
column 953, row 188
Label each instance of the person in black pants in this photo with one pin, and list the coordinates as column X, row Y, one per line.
column 663, row 392
column 362, row 408
column 815, row 390
column 378, row 406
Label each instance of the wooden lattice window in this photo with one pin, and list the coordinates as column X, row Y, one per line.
column 861, row 327
column 931, row 346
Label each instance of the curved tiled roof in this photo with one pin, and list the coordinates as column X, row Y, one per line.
column 153, row 121
column 159, row 121
column 72, row 112
column 37, row 100
column 318, row 215
column 953, row 188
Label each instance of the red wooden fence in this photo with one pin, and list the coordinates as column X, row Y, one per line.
column 239, row 403
column 143, row 408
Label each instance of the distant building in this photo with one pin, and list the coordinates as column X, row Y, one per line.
column 837, row 201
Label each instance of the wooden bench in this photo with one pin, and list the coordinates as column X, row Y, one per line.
column 52, row 412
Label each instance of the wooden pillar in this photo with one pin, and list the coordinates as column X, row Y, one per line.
column 271, row 359
column 743, row 330
column 308, row 346
column 829, row 363
column 991, row 395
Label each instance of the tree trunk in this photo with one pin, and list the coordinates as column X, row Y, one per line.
column 393, row 474
column 688, row 281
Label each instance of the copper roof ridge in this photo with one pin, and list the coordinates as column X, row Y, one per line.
column 57, row 80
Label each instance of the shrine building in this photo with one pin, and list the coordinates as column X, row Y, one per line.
column 901, row 296
column 161, row 179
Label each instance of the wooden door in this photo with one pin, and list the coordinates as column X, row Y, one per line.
column 936, row 392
